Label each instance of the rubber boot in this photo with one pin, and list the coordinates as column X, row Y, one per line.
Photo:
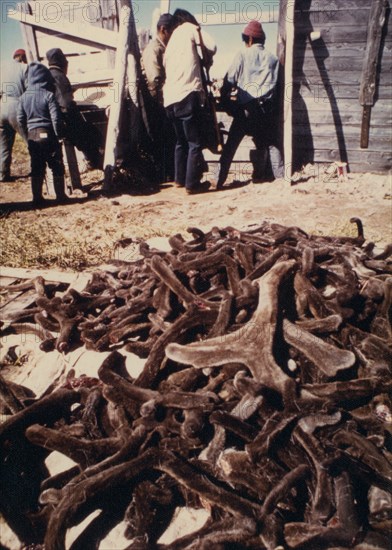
column 36, row 188
column 59, row 188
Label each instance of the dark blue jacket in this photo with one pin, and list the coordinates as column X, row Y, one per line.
column 38, row 107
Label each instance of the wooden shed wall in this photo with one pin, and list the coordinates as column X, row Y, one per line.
column 326, row 83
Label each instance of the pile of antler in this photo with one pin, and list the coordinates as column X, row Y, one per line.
column 264, row 398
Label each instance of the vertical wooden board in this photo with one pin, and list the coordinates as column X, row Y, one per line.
column 72, row 164
column 109, row 21
column 288, row 78
column 28, row 34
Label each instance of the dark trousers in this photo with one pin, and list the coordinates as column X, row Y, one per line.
column 188, row 158
column 84, row 136
column 257, row 121
column 45, row 151
column 163, row 138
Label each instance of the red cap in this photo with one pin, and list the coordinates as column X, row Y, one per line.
column 19, row 52
column 254, row 29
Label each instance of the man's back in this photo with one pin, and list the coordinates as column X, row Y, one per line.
column 254, row 72
column 152, row 61
column 13, row 79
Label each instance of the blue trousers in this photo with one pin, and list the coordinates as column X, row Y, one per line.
column 188, row 157
column 257, row 121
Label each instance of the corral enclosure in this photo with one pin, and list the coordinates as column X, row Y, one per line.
column 336, row 67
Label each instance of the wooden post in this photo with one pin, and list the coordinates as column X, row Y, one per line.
column 73, row 167
column 109, row 21
column 288, row 81
column 119, row 79
column 28, row 34
column 369, row 67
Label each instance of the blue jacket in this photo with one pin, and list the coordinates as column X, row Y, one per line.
column 38, row 107
column 254, row 72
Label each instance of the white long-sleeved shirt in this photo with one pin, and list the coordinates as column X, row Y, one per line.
column 182, row 63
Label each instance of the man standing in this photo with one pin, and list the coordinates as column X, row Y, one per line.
column 81, row 134
column 39, row 115
column 161, row 129
column 184, row 97
column 254, row 74
column 13, row 85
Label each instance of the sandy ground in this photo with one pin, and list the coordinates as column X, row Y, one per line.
column 317, row 203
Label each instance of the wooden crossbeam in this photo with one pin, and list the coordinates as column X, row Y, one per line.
column 84, row 34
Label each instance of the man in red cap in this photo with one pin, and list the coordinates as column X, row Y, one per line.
column 13, row 85
column 254, row 74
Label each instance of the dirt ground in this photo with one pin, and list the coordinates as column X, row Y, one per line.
column 85, row 231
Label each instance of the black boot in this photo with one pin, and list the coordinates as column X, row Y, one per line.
column 36, row 188
column 59, row 188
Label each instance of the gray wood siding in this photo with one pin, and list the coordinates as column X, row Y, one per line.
column 327, row 72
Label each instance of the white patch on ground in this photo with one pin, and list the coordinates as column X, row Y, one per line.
column 184, row 522
column 115, row 540
column 73, row 533
column 160, row 243
column 43, row 371
column 57, row 462
column 8, row 537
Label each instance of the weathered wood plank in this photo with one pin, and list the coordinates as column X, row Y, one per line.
column 337, row 77
column 383, row 158
column 340, row 37
column 85, row 35
column 109, row 20
column 376, row 143
column 288, row 75
column 349, row 130
column 73, row 167
column 5, row 281
column 341, row 105
column 331, row 17
column 363, row 167
column 369, row 68
column 309, row 63
column 352, row 34
column 28, row 34
column 302, row 116
column 354, row 50
column 316, row 89
column 336, row 5
column 19, row 302
column 5, row 298
column 50, row 275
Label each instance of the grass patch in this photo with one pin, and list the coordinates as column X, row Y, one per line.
column 44, row 245
column 70, row 244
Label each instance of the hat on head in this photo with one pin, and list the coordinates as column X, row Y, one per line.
column 20, row 51
column 254, row 29
column 56, row 57
column 165, row 20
